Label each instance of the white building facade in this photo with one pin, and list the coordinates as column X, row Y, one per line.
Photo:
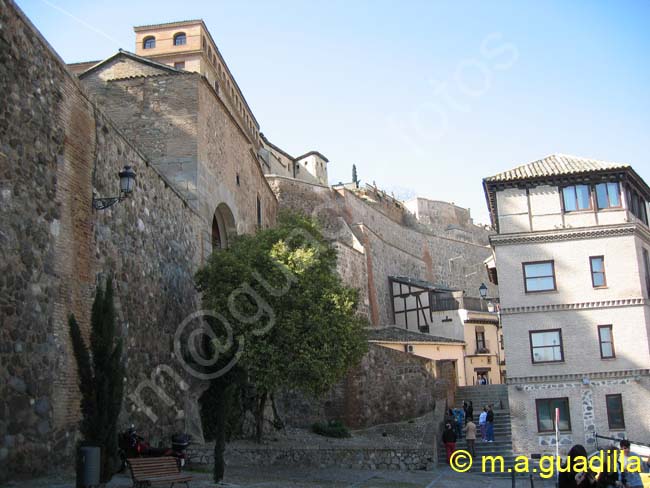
column 573, row 268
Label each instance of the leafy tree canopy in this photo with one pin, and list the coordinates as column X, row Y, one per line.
column 293, row 321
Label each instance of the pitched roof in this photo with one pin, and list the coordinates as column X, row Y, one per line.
column 313, row 153
column 559, row 169
column 398, row 334
column 555, row 165
column 135, row 57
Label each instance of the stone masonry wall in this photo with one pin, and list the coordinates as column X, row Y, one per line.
column 185, row 128
column 587, row 409
column 390, row 249
column 55, row 148
column 228, row 168
column 388, row 386
column 395, row 459
column 157, row 110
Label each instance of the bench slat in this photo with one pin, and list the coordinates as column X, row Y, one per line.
column 157, row 470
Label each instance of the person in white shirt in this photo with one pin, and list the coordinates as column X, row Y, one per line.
column 482, row 423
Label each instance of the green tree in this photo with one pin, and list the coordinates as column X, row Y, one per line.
column 101, row 378
column 294, row 324
column 355, row 179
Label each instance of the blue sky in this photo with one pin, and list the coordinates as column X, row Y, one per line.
column 425, row 98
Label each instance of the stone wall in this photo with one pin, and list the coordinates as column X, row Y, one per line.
column 56, row 147
column 388, row 386
column 394, row 459
column 447, row 219
column 185, row 128
column 390, row 248
column 587, row 408
column 157, row 110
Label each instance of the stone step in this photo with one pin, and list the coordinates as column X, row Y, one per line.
column 504, row 450
column 508, row 459
column 497, row 403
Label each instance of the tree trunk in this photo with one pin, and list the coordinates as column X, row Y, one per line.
column 220, row 430
column 259, row 417
column 277, row 420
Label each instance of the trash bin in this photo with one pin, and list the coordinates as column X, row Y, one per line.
column 88, row 466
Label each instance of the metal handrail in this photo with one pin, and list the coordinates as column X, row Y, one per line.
column 598, row 436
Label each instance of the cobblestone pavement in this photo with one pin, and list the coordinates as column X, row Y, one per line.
column 294, row 477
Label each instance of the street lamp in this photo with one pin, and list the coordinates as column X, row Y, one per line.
column 127, row 184
column 483, row 291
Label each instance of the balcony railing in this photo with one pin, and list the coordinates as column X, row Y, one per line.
column 467, row 303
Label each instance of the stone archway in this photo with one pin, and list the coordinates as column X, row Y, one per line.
column 224, row 227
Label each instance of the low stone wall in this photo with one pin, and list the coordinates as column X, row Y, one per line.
column 397, row 459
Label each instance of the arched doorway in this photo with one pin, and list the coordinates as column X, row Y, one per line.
column 223, row 227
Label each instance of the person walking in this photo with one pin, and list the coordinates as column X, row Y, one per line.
column 449, row 440
column 630, row 478
column 469, row 415
column 470, row 436
column 450, row 417
column 489, row 424
column 481, row 423
column 459, row 421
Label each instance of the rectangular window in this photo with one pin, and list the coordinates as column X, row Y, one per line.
column 637, row 205
column 546, row 414
column 615, row 416
column 576, row 197
column 546, row 346
column 179, row 65
column 480, row 341
column 259, row 212
column 597, row 264
column 606, row 340
column 608, row 195
column 539, row 276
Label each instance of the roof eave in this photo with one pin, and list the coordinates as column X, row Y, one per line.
column 133, row 56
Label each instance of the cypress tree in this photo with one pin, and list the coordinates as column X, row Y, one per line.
column 101, row 379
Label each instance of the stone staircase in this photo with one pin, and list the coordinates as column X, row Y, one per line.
column 497, row 396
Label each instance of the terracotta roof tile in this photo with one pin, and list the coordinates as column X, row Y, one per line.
column 399, row 334
column 555, row 165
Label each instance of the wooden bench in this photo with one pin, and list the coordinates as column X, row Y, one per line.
column 150, row 471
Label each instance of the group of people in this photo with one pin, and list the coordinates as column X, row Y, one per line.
column 459, row 422
column 622, row 477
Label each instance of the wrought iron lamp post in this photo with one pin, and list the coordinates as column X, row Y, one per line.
column 482, row 290
column 127, row 184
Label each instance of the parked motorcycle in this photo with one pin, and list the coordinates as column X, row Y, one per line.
column 132, row 445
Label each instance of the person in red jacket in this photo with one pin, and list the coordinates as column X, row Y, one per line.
column 449, row 439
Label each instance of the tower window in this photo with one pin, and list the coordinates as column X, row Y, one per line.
column 576, row 197
column 179, row 65
column 259, row 212
column 180, row 39
column 149, row 42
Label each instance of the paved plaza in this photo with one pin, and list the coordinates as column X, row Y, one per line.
column 296, row 477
